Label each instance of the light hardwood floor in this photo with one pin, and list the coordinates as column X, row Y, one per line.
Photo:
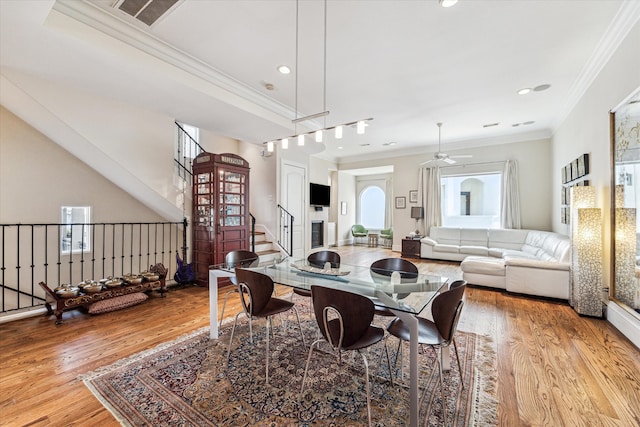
column 555, row 368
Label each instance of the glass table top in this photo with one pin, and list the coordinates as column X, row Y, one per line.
column 402, row 291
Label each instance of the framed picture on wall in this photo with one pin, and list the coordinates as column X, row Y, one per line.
column 563, row 172
column 413, row 196
column 574, row 169
column 580, row 166
column 343, row 208
column 401, row 202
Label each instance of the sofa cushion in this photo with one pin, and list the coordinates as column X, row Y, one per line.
column 474, row 250
column 535, row 263
column 483, row 265
column 453, row 249
column 473, row 237
column 116, row 303
column 506, row 239
column 445, row 235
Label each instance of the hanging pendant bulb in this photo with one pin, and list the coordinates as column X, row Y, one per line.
column 360, row 127
column 338, row 132
column 319, row 136
column 270, row 146
column 285, row 143
column 301, row 140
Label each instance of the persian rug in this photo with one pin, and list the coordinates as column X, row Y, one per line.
column 187, row 382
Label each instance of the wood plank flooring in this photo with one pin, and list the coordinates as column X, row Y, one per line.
column 555, row 368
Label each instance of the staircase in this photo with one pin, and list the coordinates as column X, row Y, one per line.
column 267, row 251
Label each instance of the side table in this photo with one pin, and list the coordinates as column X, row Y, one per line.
column 411, row 248
column 373, row 240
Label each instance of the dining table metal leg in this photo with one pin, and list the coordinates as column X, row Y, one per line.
column 414, row 371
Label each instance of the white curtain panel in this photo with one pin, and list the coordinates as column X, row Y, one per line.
column 510, row 216
column 429, row 193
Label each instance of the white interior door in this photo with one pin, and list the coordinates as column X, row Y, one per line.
column 293, row 184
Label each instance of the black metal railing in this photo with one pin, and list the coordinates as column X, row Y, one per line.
column 285, row 230
column 187, row 150
column 253, row 232
column 70, row 253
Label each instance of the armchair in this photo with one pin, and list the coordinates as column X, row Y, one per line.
column 359, row 232
column 387, row 237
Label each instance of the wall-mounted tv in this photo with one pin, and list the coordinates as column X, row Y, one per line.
column 319, row 195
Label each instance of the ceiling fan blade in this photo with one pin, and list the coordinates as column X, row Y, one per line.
column 428, row 161
column 462, row 156
column 448, row 160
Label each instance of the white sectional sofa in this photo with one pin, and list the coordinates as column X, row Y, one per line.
column 523, row 261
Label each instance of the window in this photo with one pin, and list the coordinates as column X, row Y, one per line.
column 188, row 139
column 471, row 201
column 74, row 231
column 372, row 208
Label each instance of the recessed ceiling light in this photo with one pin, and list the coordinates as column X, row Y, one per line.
column 515, row 125
column 340, row 148
column 364, row 145
column 488, row 125
column 530, row 122
column 524, row 91
column 540, row 88
column 448, row 3
column 284, row 69
column 389, row 143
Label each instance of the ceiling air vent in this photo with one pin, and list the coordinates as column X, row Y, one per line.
column 146, row 11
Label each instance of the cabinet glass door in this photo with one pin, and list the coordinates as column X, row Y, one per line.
column 232, row 199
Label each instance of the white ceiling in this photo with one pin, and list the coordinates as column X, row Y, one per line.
column 407, row 64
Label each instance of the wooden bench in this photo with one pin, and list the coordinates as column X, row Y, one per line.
column 86, row 299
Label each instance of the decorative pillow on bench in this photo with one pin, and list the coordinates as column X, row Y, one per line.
column 116, row 303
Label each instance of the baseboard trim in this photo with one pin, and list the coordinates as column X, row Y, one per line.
column 625, row 322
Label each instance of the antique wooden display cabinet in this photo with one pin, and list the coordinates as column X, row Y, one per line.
column 220, row 210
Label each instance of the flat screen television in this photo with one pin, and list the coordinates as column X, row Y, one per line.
column 319, row 195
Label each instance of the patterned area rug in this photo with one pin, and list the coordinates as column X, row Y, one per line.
column 187, row 383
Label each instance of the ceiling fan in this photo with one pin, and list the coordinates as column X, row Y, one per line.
column 439, row 155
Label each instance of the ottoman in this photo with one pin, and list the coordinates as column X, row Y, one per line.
column 484, row 271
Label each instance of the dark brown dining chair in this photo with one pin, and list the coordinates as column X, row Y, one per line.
column 344, row 319
column 255, row 290
column 319, row 259
column 233, row 259
column 440, row 332
column 385, row 267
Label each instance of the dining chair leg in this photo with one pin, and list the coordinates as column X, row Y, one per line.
column 306, row 367
column 444, row 402
column 224, row 304
column 304, row 344
column 266, row 381
column 455, row 346
column 233, row 330
column 386, row 351
column 366, row 370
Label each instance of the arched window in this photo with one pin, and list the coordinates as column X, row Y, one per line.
column 372, row 208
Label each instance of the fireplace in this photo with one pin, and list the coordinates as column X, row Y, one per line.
column 317, row 234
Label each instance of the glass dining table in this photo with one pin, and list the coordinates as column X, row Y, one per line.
column 405, row 294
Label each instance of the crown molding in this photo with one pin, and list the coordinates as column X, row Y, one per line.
column 237, row 93
column 626, row 18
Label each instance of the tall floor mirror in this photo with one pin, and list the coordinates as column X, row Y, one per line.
column 625, row 204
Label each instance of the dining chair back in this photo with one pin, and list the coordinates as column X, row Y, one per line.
column 320, row 258
column 439, row 333
column 344, row 319
column 385, row 267
column 255, row 290
column 239, row 258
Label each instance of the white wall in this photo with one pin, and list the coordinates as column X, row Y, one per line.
column 535, row 177
column 37, row 177
column 586, row 130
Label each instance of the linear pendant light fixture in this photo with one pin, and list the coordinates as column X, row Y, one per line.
column 318, row 134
